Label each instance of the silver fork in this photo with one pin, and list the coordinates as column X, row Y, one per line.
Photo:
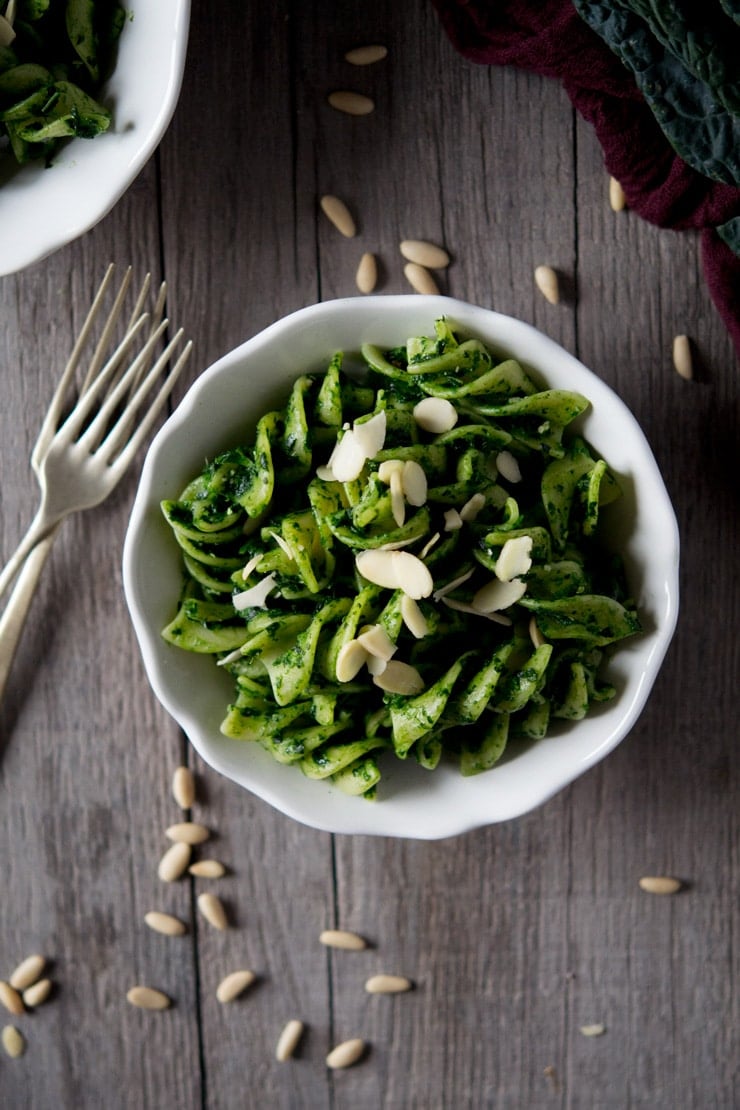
column 79, row 460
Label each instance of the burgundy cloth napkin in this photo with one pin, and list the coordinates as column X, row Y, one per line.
column 550, row 38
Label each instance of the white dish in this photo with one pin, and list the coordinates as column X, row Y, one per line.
column 220, row 411
column 43, row 209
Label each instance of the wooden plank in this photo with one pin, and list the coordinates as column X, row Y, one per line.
column 249, row 258
column 86, row 753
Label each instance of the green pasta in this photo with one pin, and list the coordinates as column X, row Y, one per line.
column 405, row 561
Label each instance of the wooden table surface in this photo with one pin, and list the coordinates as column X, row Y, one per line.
column 515, row 935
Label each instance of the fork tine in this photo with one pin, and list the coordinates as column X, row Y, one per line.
column 104, row 342
column 82, row 410
column 128, row 452
column 54, row 411
column 95, row 430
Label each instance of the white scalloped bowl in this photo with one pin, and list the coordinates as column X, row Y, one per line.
column 43, row 209
column 221, row 410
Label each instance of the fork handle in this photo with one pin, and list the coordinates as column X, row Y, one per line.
column 16, row 611
column 40, row 527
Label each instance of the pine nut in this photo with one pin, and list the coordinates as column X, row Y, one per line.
column 337, row 212
column 207, row 869
column 341, row 938
column 10, row 999
column 659, row 884
column 425, row 254
column 148, row 998
column 14, row 1042
column 288, row 1040
column 388, row 984
column 183, row 787
column 27, row 972
column 366, row 55
column 234, row 984
column 352, row 103
column 346, row 1053
column 165, row 923
column 617, row 199
column 213, row 910
column 187, row 832
column 420, row 280
column 593, row 1030
column 682, row 358
column 366, row 277
column 174, row 862
column 37, row 993
column 546, row 281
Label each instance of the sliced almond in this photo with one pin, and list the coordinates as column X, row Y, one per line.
column 414, row 483
column 325, row 473
column 13, row 1040
column 348, row 459
column 453, row 584
column 366, row 277
column 398, row 504
column 435, row 415
column 27, row 972
column 352, row 103
column 37, row 993
column 342, row 938
column 370, row 434
column 535, row 635
column 213, row 910
column 351, row 657
column 388, row 984
column 387, row 467
column 399, row 678
column 10, row 999
column 420, row 280
column 7, row 34
column 378, row 566
column 256, row 596
column 617, row 199
column 472, row 507
column 429, row 545
column 464, row 607
column 424, row 254
column 682, row 358
column 289, row 1040
column 234, row 984
column 453, row 520
column 346, row 1053
column 249, row 568
column 413, row 617
column 174, row 862
column 377, row 642
column 188, row 832
column 497, row 595
column 376, row 665
column 546, row 281
column 366, row 55
column 337, row 212
column 283, row 545
column 508, row 467
column 165, row 923
column 148, row 998
column 515, row 558
column 183, row 787
column 659, row 884
column 412, row 575
column 207, row 869
column 593, row 1030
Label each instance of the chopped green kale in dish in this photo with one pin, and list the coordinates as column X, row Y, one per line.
column 408, row 560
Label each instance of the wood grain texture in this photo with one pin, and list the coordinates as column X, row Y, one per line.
column 514, row 936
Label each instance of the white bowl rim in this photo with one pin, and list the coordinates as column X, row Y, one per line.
column 92, row 175
column 652, row 645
